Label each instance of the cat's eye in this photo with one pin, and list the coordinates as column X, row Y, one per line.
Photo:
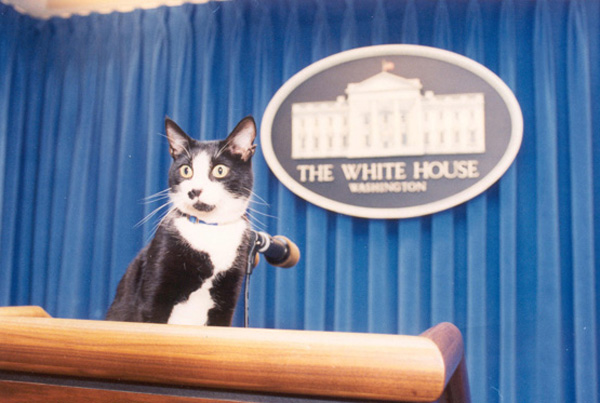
column 220, row 171
column 186, row 171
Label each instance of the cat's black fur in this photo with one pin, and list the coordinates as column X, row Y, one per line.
column 173, row 266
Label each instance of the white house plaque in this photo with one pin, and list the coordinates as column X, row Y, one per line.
column 391, row 131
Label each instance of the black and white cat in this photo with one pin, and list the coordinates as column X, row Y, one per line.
column 192, row 270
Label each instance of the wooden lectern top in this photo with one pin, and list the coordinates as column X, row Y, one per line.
column 259, row 362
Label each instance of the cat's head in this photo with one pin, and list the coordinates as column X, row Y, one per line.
column 212, row 180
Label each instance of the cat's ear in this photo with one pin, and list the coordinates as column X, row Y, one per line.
column 239, row 142
column 179, row 142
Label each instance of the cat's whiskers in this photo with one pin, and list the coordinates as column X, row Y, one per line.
column 256, row 223
column 253, row 213
column 153, row 213
column 256, row 199
column 257, row 202
column 163, row 217
column 262, row 214
column 159, row 223
column 163, row 194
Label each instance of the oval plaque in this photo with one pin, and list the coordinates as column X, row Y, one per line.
column 391, row 131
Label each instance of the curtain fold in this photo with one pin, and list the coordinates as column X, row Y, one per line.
column 443, row 262
column 413, row 312
column 507, row 335
column 477, row 348
column 582, row 177
column 10, row 121
column 410, row 24
column 263, row 87
column 548, row 298
column 288, row 291
column 382, row 291
column 108, row 126
column 83, row 162
column 318, row 224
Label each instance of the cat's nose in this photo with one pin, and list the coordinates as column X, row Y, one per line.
column 192, row 194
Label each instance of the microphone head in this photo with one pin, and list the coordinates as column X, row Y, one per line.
column 293, row 253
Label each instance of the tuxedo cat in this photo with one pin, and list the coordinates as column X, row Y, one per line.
column 192, row 270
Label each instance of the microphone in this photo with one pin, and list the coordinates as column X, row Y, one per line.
column 278, row 250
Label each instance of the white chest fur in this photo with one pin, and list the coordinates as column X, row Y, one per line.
column 221, row 244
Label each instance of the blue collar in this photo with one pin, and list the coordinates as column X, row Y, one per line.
column 196, row 220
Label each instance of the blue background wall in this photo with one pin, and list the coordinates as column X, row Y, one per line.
column 82, row 101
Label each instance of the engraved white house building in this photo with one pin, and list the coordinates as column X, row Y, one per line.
column 388, row 115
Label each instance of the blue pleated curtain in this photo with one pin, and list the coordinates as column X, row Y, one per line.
column 82, row 101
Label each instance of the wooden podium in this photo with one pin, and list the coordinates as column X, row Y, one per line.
column 43, row 359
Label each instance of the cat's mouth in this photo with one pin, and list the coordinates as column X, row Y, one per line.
column 206, row 208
